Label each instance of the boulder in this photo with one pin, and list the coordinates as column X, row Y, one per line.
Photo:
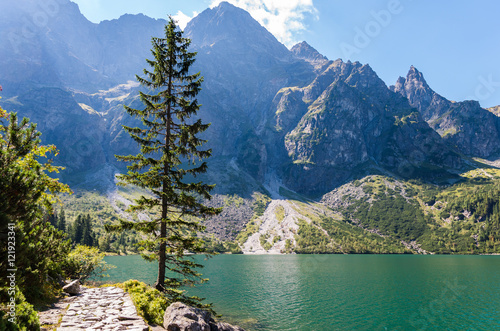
column 180, row 317
column 72, row 288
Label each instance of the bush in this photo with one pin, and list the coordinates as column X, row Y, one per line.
column 260, row 203
column 150, row 303
column 83, row 262
column 233, row 247
column 393, row 216
column 26, row 318
column 250, row 228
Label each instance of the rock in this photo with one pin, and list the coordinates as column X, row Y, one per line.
column 180, row 317
column 127, row 318
column 72, row 288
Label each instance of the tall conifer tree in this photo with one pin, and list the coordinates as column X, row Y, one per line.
column 61, row 221
column 170, row 158
column 87, row 233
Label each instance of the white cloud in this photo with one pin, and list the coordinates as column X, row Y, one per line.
column 283, row 18
column 183, row 19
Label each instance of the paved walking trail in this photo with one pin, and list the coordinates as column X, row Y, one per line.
column 105, row 308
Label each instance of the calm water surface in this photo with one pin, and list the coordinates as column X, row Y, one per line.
column 344, row 292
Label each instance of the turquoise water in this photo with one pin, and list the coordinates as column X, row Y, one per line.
column 344, row 292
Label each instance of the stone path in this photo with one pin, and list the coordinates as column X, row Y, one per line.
column 105, row 308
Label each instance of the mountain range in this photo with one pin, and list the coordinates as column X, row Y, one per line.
column 285, row 122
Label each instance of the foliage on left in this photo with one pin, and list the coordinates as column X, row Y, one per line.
column 27, row 194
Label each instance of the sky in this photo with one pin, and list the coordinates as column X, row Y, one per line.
column 455, row 44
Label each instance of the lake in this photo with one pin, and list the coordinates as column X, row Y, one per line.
column 344, row 292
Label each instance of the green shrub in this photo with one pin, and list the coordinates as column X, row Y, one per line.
column 250, row 228
column 26, row 318
column 367, row 189
column 233, row 247
column 394, row 216
column 150, row 303
column 263, row 241
column 84, row 262
column 444, row 214
column 260, row 203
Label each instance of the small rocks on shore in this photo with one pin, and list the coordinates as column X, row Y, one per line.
column 72, row 288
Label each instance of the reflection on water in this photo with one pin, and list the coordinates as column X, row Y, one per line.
column 345, row 292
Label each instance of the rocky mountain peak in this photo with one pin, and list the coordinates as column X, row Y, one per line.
column 228, row 27
column 464, row 125
column 306, row 52
column 400, row 83
column 421, row 96
column 416, row 78
column 279, row 115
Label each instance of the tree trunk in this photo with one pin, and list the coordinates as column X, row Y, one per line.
column 160, row 283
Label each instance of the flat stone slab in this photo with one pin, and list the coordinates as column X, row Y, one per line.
column 105, row 308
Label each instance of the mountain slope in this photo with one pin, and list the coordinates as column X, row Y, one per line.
column 52, row 44
column 346, row 120
column 473, row 130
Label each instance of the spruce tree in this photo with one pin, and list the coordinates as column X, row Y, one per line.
column 77, row 233
column 61, row 224
column 87, row 233
column 169, row 161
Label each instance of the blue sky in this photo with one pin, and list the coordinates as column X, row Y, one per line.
column 456, row 44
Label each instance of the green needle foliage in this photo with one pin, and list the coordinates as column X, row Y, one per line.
column 169, row 161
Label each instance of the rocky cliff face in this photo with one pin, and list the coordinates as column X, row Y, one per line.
column 474, row 131
column 244, row 66
column 78, row 131
column 347, row 119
